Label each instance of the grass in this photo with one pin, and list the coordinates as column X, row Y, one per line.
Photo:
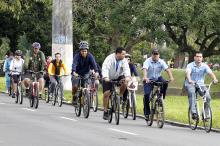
column 176, row 107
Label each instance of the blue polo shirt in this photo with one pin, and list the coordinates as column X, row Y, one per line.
column 154, row 68
column 197, row 73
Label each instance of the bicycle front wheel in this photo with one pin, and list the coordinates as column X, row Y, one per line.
column 31, row 98
column 117, row 109
column 160, row 112
column 86, row 104
column 20, row 93
column 95, row 101
column 152, row 111
column 78, row 105
column 207, row 119
column 17, row 95
column 133, row 108
column 59, row 95
column 193, row 123
column 110, row 109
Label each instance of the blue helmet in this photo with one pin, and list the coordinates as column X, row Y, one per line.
column 83, row 45
column 36, row 45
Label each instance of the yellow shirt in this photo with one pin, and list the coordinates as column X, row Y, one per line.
column 51, row 68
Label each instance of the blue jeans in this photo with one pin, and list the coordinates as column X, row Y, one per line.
column 192, row 97
column 148, row 87
column 7, row 78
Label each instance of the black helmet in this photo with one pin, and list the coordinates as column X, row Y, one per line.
column 18, row 53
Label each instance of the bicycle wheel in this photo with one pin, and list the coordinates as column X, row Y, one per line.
column 95, row 101
column 86, row 103
column 207, row 119
column 17, row 95
column 31, row 98
column 78, row 105
column 20, row 93
column 159, row 112
column 125, row 108
column 36, row 98
column 54, row 96
column 59, row 96
column 47, row 93
column 117, row 109
column 192, row 122
column 133, row 108
column 110, row 109
column 152, row 111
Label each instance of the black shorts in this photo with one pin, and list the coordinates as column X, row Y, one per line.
column 108, row 85
column 15, row 78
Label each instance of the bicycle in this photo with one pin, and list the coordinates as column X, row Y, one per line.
column 34, row 90
column 19, row 94
column 130, row 102
column 93, row 94
column 206, row 116
column 82, row 97
column 57, row 95
column 156, row 104
column 114, row 102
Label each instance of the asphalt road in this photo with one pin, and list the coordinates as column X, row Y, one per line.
column 58, row 126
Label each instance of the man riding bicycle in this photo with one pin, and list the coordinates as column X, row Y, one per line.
column 16, row 69
column 114, row 67
column 152, row 68
column 34, row 61
column 83, row 62
column 195, row 73
column 55, row 69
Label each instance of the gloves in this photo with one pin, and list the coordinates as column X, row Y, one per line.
column 106, row 79
column 75, row 74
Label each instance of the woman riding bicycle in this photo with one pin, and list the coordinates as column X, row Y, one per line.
column 55, row 69
column 16, row 69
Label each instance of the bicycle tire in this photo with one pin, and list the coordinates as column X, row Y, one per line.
column 17, row 95
column 152, row 111
column 86, row 103
column 47, row 93
column 117, row 109
column 54, row 96
column 78, row 105
column 36, row 98
column 192, row 123
column 31, row 100
column 95, row 102
column 59, row 95
column 20, row 91
column 110, row 109
column 133, row 108
column 160, row 112
column 207, row 120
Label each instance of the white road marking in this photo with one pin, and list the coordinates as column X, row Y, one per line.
column 2, row 103
column 122, row 131
column 28, row 109
column 71, row 119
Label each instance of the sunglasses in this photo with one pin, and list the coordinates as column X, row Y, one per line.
column 155, row 53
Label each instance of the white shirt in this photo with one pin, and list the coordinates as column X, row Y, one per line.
column 109, row 68
column 16, row 66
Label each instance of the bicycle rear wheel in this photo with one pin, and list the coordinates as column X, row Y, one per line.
column 133, row 108
column 193, row 123
column 78, row 105
column 59, row 96
column 152, row 111
column 117, row 109
column 110, row 109
column 159, row 112
column 207, row 119
column 86, row 103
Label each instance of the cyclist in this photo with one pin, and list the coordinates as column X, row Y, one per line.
column 114, row 67
column 152, row 68
column 55, row 69
column 195, row 73
column 6, row 69
column 35, row 61
column 133, row 71
column 83, row 62
column 16, row 70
